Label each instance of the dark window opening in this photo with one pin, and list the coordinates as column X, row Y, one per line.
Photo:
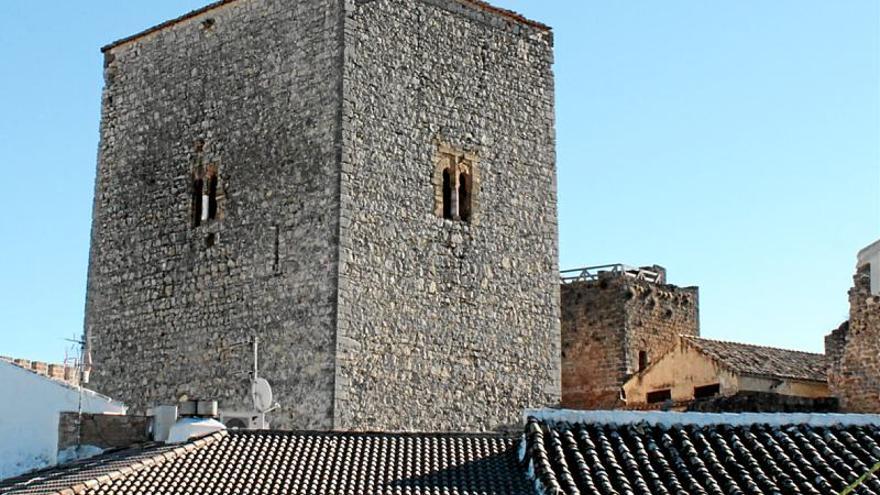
column 197, row 202
column 643, row 360
column 447, row 195
column 658, row 396
column 210, row 240
column 464, row 197
column 276, row 260
column 212, row 197
column 707, row 391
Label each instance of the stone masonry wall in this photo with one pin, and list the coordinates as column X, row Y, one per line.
column 249, row 88
column 593, row 345
column 606, row 324
column 105, row 431
column 446, row 325
column 854, row 377
column 835, row 343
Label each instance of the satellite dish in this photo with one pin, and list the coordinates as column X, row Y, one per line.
column 261, row 392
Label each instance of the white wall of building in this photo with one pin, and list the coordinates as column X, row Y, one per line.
column 30, row 406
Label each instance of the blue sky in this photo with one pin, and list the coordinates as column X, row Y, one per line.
column 736, row 143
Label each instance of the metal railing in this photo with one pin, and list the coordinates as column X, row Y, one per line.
column 592, row 273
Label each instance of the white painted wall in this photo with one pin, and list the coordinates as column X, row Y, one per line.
column 871, row 256
column 30, row 406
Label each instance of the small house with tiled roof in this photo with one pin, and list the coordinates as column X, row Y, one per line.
column 33, row 396
column 558, row 452
column 697, row 369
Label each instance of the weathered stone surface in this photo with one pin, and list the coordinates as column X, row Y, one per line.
column 254, row 93
column 606, row 323
column 854, row 350
column 457, row 322
column 105, row 431
column 323, row 120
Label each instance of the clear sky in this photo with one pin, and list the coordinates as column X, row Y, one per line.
column 737, row 143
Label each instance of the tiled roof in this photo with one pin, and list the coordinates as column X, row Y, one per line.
column 680, row 457
column 764, row 361
column 564, row 452
column 78, row 477
column 60, row 372
column 270, row 462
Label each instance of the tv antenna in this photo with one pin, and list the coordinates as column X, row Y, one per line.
column 261, row 391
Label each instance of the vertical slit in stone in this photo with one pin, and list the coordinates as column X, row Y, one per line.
column 464, row 197
column 276, row 261
column 447, row 195
column 643, row 360
column 212, row 196
column 197, row 202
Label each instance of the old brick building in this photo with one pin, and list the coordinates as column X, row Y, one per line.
column 854, row 348
column 369, row 186
column 617, row 320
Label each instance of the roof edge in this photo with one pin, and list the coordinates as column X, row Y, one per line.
column 745, row 344
column 658, row 418
column 85, row 486
column 158, row 27
column 66, row 385
column 477, row 4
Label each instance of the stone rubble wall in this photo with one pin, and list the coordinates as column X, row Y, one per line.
column 854, row 377
column 105, row 431
column 607, row 322
column 251, row 88
column 446, row 325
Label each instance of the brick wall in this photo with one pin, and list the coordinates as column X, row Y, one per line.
column 854, row 376
column 606, row 323
column 103, row 430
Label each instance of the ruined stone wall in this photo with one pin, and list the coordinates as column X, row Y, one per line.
column 249, row 89
column 606, row 323
column 656, row 314
column 446, row 325
column 854, row 376
column 835, row 343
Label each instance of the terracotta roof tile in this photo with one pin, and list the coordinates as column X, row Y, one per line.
column 763, row 361
column 311, row 463
column 701, row 459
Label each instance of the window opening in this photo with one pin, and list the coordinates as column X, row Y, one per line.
column 212, row 197
column 658, row 396
column 643, row 360
column 447, row 195
column 205, row 196
column 197, row 201
column 464, row 196
column 707, row 391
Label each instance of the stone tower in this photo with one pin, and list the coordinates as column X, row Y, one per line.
column 854, row 349
column 367, row 185
column 615, row 321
